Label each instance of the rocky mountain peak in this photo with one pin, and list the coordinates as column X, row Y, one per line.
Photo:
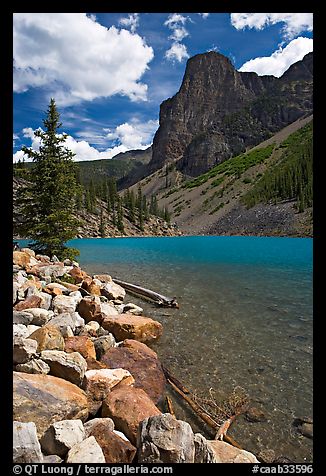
column 218, row 111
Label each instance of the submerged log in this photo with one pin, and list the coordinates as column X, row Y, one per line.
column 159, row 299
column 220, row 429
column 169, row 405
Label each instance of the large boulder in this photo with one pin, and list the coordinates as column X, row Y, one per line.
column 26, row 447
column 142, row 363
column 115, row 448
column 23, row 350
column 71, row 367
column 164, row 439
column 48, row 337
column 88, row 451
column 98, row 383
column 81, row 344
column 61, row 436
column 128, row 326
column 113, row 291
column 44, row 399
column 227, row 453
column 128, row 407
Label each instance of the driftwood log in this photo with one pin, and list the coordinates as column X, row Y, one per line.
column 221, row 429
column 148, row 294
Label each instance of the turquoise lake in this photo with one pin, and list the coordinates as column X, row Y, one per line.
column 245, row 319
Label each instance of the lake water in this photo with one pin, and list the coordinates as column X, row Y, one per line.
column 245, row 319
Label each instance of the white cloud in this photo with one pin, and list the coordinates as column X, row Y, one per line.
column 76, row 58
column 131, row 21
column 134, row 135
column 178, row 52
column 204, row 15
column 174, row 19
column 294, row 23
column 128, row 136
column 281, row 59
column 179, row 34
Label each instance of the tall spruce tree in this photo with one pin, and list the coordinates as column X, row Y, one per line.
column 49, row 199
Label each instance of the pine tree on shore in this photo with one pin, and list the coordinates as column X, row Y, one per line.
column 49, row 200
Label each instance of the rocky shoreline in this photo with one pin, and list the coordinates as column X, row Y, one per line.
column 87, row 388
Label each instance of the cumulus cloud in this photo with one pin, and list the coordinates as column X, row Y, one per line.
column 294, row 23
column 204, row 15
column 281, row 59
column 178, row 50
column 134, row 135
column 77, row 58
column 131, row 21
column 128, row 136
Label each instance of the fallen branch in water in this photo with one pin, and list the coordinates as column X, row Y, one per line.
column 159, row 299
column 169, row 405
column 204, row 416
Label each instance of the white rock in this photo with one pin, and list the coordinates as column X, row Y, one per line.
column 23, row 350
column 88, row 451
column 122, row 435
column 108, row 309
column 46, row 300
column 40, row 316
column 76, row 295
column 113, row 291
column 31, row 329
column 71, row 319
column 64, row 304
column 92, row 325
column 133, row 309
column 104, row 379
column 164, row 439
column 61, row 436
column 71, row 367
column 22, row 317
column 19, row 330
column 26, row 447
column 20, row 278
column 229, row 454
column 34, row 366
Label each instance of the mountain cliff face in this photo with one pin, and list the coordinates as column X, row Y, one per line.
column 220, row 112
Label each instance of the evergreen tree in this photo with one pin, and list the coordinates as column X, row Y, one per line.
column 49, row 200
column 102, row 225
column 139, row 204
column 120, row 225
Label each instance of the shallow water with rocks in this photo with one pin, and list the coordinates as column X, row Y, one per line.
column 245, row 319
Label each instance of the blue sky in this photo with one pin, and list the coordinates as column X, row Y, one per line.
column 109, row 72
